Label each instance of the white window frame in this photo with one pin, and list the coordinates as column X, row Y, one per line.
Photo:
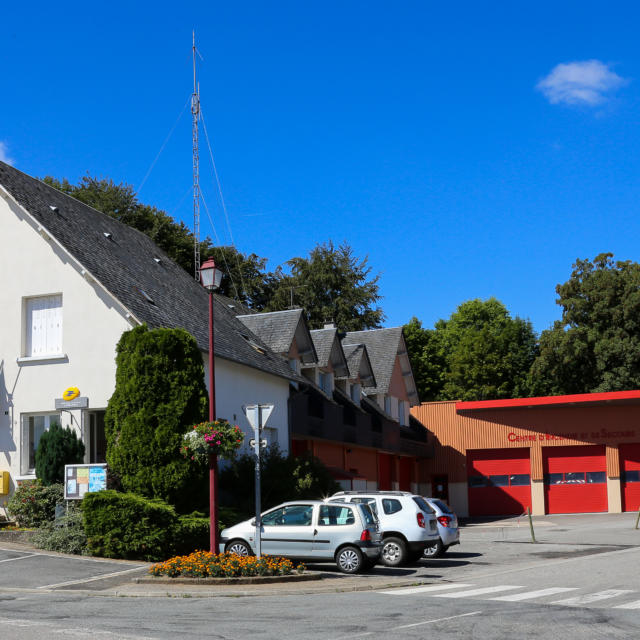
column 26, row 445
column 42, row 328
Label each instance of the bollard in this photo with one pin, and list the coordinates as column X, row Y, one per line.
column 638, row 519
column 533, row 535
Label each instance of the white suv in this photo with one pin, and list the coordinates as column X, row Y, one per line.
column 408, row 524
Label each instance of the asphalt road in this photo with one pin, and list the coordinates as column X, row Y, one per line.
column 581, row 581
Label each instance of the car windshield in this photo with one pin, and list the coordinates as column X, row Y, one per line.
column 442, row 506
column 422, row 504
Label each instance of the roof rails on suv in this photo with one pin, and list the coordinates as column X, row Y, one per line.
column 407, row 522
column 377, row 493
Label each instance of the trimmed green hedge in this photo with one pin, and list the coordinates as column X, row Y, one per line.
column 126, row 525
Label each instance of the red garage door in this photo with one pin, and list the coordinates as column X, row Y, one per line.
column 499, row 482
column 630, row 476
column 575, row 479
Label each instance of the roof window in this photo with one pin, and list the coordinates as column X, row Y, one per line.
column 145, row 295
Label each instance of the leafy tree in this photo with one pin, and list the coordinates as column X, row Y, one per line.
column 246, row 279
column 479, row 353
column 282, row 478
column 331, row 284
column 56, row 448
column 595, row 347
column 427, row 359
column 159, row 392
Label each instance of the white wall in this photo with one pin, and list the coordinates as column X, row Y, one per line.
column 238, row 385
column 30, row 265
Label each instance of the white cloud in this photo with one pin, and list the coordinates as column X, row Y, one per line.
column 4, row 153
column 583, row 83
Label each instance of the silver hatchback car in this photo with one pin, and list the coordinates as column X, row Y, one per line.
column 447, row 528
column 312, row 530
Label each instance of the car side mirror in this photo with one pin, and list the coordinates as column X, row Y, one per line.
column 253, row 522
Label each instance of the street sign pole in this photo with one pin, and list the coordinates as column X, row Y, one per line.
column 257, row 415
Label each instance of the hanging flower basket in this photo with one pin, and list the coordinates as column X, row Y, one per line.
column 218, row 437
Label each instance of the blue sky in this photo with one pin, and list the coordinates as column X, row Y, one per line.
column 469, row 149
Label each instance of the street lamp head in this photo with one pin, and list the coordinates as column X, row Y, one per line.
column 210, row 275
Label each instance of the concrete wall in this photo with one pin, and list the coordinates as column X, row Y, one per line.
column 237, row 385
column 31, row 265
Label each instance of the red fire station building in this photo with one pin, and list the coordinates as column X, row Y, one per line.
column 556, row 454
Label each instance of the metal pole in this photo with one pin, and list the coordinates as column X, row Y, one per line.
column 257, row 435
column 533, row 535
column 213, row 459
column 638, row 519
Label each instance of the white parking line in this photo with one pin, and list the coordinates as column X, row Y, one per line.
column 417, row 624
column 82, row 581
column 19, row 558
column 527, row 595
column 408, row 626
column 592, row 597
column 425, row 589
column 629, row 605
column 478, row 592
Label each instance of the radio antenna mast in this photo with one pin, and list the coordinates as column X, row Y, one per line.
column 195, row 113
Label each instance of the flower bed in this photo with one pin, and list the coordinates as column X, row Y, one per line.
column 203, row 564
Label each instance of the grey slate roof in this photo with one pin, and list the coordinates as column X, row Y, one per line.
column 357, row 360
column 122, row 260
column 329, row 349
column 279, row 328
column 382, row 346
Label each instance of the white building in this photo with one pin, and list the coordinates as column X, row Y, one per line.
column 72, row 280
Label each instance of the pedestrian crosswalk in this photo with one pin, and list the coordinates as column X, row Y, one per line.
column 612, row 598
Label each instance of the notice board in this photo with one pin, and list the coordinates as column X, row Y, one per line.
column 80, row 479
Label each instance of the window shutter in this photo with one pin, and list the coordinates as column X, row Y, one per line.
column 44, row 326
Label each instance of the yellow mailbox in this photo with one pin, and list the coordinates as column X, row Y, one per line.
column 4, row 483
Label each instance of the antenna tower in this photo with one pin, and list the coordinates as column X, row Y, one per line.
column 195, row 113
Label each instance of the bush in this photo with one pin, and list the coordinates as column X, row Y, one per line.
column 65, row 535
column 33, row 504
column 283, row 478
column 56, row 448
column 203, row 564
column 159, row 393
column 125, row 525
column 190, row 533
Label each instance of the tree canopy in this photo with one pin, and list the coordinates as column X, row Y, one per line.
column 479, row 353
column 331, row 284
column 596, row 345
column 159, row 394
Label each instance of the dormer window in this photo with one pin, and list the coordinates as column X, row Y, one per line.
column 325, row 382
column 355, row 392
column 294, row 365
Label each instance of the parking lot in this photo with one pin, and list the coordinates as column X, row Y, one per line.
column 579, row 580
column 22, row 568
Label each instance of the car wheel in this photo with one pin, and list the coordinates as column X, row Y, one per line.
column 239, row 547
column 435, row 550
column 394, row 552
column 350, row 560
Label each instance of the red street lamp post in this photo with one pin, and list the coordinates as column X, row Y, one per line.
column 210, row 277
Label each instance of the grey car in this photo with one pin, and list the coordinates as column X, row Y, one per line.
column 312, row 530
column 447, row 528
